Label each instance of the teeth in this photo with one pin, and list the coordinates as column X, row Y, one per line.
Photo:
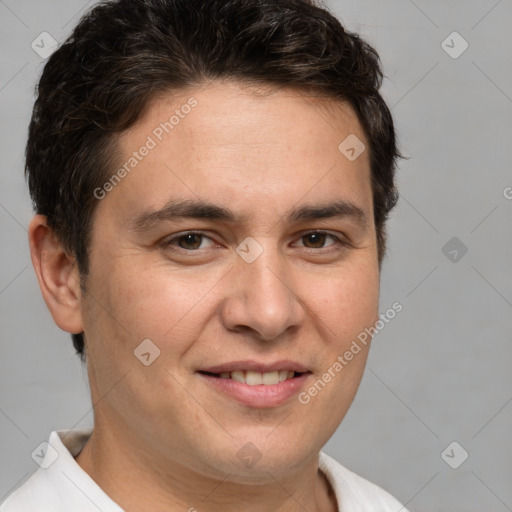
column 271, row 378
column 238, row 376
column 258, row 378
column 253, row 378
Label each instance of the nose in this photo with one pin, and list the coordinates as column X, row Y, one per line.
column 261, row 300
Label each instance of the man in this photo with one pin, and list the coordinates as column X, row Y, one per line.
column 211, row 183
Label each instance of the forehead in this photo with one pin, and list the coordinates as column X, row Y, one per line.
column 234, row 145
column 231, row 112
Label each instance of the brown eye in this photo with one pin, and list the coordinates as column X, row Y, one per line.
column 314, row 240
column 190, row 241
column 190, row 247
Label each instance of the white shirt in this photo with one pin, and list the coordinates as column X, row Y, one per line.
column 61, row 485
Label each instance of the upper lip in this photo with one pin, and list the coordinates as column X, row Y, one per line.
column 256, row 366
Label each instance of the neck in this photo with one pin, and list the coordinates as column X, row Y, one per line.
column 137, row 481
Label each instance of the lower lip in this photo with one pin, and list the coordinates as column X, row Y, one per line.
column 260, row 395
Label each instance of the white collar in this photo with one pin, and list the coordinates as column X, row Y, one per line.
column 61, row 485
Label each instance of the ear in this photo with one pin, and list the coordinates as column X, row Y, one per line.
column 58, row 276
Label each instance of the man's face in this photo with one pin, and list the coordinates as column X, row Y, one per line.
column 273, row 280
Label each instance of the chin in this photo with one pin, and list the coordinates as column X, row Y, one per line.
column 260, row 456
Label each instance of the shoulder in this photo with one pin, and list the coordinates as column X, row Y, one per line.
column 59, row 484
column 31, row 495
column 355, row 493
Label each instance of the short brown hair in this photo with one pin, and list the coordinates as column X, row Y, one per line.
column 124, row 52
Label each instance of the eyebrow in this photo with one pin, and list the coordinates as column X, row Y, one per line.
column 197, row 209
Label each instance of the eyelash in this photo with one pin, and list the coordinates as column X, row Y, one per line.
column 337, row 241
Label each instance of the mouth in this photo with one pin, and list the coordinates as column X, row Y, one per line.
column 252, row 378
column 256, row 385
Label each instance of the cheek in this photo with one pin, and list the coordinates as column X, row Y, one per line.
column 140, row 302
column 347, row 303
column 127, row 305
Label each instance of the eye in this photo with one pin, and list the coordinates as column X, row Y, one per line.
column 190, row 241
column 317, row 240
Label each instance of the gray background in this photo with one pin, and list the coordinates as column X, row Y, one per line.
column 440, row 371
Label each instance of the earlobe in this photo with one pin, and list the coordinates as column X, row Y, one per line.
column 57, row 274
